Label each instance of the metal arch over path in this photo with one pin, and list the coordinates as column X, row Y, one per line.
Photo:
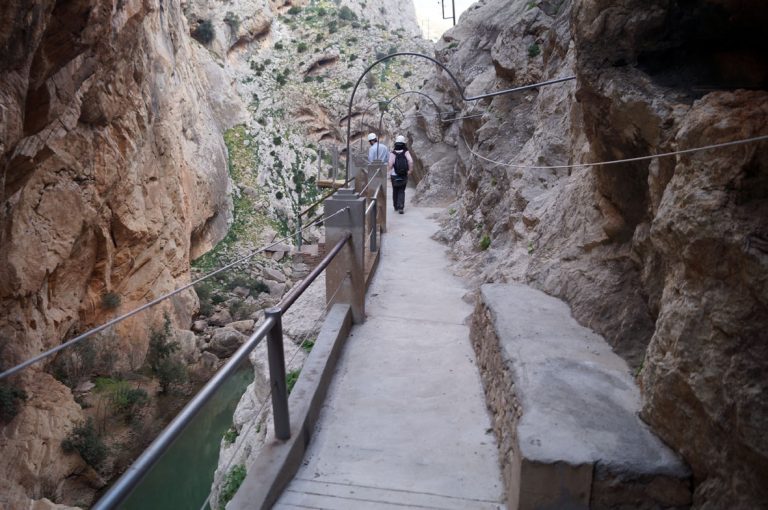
column 367, row 109
column 453, row 78
column 389, row 101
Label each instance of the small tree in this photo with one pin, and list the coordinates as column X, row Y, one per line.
column 204, row 32
column 86, row 441
column 160, row 359
column 233, row 21
column 347, row 14
column 10, row 400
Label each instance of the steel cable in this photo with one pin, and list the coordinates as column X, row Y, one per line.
column 116, row 320
column 618, row 161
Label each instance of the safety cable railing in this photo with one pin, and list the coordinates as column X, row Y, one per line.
column 256, row 421
column 91, row 332
column 619, row 161
column 271, row 328
column 453, row 78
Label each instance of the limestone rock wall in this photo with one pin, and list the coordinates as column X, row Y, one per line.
column 665, row 258
column 113, row 172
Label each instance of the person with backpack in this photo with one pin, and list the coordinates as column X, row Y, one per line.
column 399, row 167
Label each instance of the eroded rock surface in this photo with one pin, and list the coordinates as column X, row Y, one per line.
column 666, row 257
column 113, row 177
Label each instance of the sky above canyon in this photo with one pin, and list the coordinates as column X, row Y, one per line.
column 429, row 15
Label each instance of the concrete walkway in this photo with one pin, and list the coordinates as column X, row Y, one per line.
column 405, row 423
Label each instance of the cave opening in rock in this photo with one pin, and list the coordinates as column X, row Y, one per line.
column 711, row 45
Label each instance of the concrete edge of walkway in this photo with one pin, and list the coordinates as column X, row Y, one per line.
column 278, row 461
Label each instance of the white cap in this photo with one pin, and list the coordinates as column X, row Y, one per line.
column 371, row 136
column 400, row 139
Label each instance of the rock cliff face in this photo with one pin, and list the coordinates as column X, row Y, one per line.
column 666, row 258
column 114, row 175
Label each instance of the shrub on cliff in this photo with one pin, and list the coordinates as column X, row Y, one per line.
column 231, row 483
column 233, row 21
column 164, row 365
column 204, row 32
column 84, row 440
column 10, row 398
column 347, row 14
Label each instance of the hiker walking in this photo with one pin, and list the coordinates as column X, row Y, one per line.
column 400, row 166
column 377, row 151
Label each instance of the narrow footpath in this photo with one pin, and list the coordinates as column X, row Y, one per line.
column 404, row 424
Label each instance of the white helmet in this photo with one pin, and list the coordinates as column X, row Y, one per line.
column 371, row 137
column 400, row 139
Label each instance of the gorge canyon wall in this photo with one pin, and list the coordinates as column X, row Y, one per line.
column 665, row 257
column 114, row 175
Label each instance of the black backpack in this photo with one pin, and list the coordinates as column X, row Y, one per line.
column 401, row 164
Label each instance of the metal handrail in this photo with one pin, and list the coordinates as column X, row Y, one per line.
column 135, row 473
column 73, row 341
column 271, row 327
column 299, row 289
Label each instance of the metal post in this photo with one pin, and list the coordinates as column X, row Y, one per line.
column 350, row 261
column 374, row 226
column 361, row 179
column 335, row 162
column 276, row 357
column 319, row 165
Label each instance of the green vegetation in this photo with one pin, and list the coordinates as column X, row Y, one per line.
column 84, row 440
column 231, row 484
column 281, row 77
column 307, row 345
column 168, row 370
column 232, row 20
column 252, row 284
column 290, row 379
column 301, row 47
column 10, row 400
column 230, row 435
column 534, row 50
column 485, row 242
column 530, row 247
column 124, row 400
column 639, row 369
column 76, row 363
column 347, row 14
column 453, row 45
column 248, row 221
column 204, row 32
column 294, row 10
column 110, row 300
column 278, row 45
column 346, row 85
column 294, row 185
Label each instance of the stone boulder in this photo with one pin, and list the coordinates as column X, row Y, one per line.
column 220, row 318
column 225, row 341
column 188, row 347
column 276, row 289
column 245, row 327
column 199, row 326
column 273, row 274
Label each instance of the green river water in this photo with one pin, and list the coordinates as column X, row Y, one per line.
column 181, row 479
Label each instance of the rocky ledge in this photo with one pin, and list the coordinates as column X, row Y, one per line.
column 565, row 410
